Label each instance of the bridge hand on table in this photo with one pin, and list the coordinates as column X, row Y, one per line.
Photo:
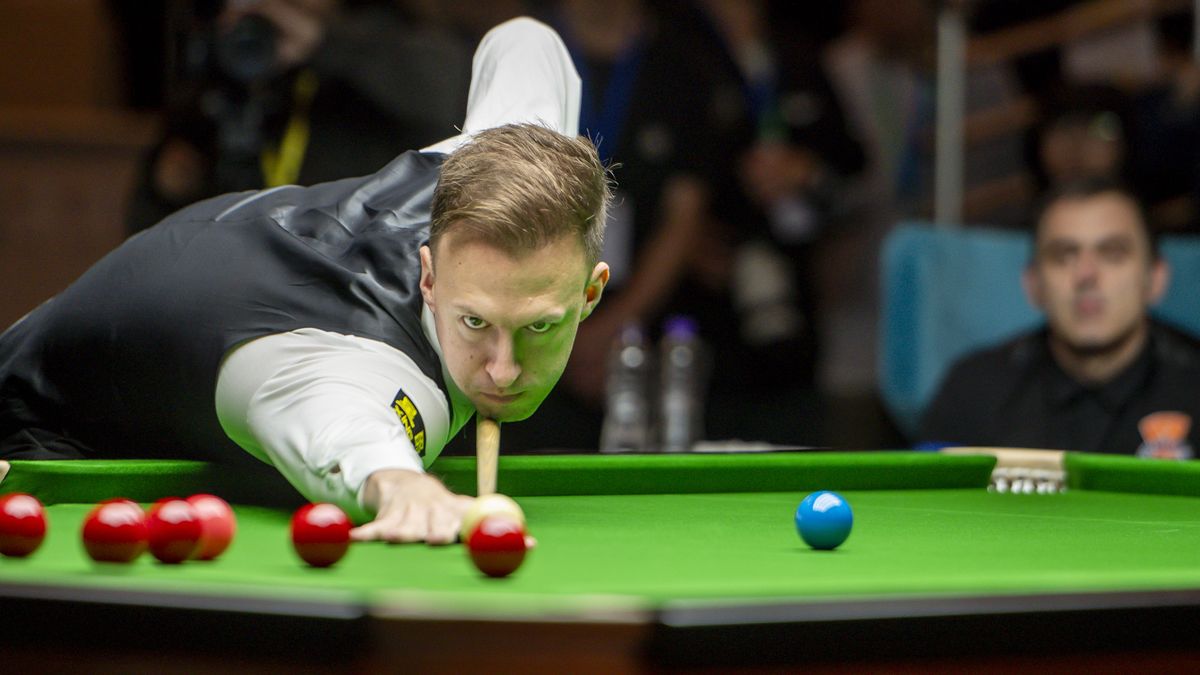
column 411, row 507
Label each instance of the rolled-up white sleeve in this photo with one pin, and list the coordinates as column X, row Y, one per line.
column 318, row 406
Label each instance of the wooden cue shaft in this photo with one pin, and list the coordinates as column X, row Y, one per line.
column 4, row 467
column 487, row 452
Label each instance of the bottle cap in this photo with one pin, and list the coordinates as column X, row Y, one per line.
column 680, row 326
column 631, row 333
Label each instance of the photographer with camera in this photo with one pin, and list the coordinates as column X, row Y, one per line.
column 280, row 92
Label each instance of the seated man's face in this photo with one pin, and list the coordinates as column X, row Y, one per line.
column 1093, row 272
column 506, row 325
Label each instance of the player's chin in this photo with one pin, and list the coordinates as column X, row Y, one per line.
column 1086, row 343
column 517, row 413
column 512, row 412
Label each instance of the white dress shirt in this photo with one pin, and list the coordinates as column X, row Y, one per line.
column 318, row 407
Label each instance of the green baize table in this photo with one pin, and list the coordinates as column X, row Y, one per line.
column 644, row 563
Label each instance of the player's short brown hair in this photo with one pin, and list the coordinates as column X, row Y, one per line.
column 522, row 186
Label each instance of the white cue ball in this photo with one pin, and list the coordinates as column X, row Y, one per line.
column 489, row 505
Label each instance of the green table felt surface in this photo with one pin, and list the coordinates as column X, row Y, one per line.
column 634, row 532
column 638, row 551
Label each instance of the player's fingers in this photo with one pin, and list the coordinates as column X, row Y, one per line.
column 413, row 527
column 368, row 532
column 387, row 523
column 380, row 529
column 461, row 504
column 443, row 526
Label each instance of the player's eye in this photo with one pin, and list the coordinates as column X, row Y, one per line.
column 474, row 322
column 540, row 327
column 1058, row 254
column 1115, row 251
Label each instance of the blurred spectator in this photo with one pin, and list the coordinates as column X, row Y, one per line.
column 1101, row 375
column 1148, row 137
column 1086, row 134
column 882, row 70
column 300, row 91
column 795, row 152
column 1166, row 161
column 1121, row 92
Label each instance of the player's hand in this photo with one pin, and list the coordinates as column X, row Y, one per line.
column 410, row 507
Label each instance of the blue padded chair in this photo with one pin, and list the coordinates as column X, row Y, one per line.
column 950, row 291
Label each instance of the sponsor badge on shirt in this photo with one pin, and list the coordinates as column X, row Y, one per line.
column 1164, row 435
column 410, row 418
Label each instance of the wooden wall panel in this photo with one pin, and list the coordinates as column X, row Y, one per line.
column 64, row 185
column 58, row 53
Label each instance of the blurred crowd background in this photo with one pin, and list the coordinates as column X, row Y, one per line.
column 762, row 150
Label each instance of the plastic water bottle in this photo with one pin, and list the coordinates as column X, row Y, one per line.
column 627, row 416
column 684, row 375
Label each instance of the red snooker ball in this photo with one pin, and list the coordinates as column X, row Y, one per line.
column 320, row 534
column 22, row 524
column 497, row 545
column 115, row 531
column 217, row 525
column 173, row 530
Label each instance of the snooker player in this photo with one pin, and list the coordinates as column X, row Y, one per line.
column 1101, row 375
column 344, row 332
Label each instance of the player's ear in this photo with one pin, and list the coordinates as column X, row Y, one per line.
column 1032, row 284
column 427, row 276
column 1160, row 279
column 594, row 289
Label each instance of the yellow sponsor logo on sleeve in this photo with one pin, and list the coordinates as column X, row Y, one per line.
column 414, row 426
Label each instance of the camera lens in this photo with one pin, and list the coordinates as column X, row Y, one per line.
column 246, row 52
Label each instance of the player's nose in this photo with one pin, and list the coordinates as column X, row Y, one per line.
column 1087, row 269
column 502, row 367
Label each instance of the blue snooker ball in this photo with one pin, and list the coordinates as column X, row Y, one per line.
column 823, row 520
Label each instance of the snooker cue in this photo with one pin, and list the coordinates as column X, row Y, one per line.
column 4, row 466
column 487, row 451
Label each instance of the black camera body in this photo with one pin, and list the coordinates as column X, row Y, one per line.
column 229, row 76
column 243, row 53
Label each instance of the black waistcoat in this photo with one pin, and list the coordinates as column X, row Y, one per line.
column 125, row 360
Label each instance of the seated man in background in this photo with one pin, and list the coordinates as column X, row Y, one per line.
column 1101, row 375
column 341, row 333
